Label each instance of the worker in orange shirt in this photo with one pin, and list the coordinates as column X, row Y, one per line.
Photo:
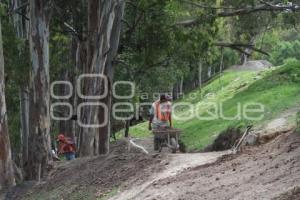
column 66, row 147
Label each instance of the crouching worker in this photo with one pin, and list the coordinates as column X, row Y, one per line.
column 160, row 116
column 66, row 147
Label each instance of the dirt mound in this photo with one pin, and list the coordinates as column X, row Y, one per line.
column 225, row 140
column 90, row 178
column 254, row 65
column 269, row 171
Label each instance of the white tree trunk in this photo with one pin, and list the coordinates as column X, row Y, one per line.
column 24, row 118
column 6, row 165
column 200, row 74
column 21, row 27
column 181, row 87
column 104, row 26
column 221, row 65
column 39, row 152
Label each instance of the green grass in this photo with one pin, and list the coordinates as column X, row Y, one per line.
column 110, row 194
column 277, row 90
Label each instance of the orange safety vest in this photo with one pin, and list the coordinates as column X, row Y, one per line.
column 163, row 116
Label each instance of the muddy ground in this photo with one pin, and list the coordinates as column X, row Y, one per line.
column 90, row 178
column 268, row 171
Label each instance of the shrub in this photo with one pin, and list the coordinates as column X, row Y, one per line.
column 285, row 50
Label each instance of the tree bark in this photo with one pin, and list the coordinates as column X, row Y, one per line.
column 66, row 126
column 19, row 18
column 104, row 25
column 80, row 61
column 221, row 65
column 127, row 127
column 39, row 152
column 6, row 165
column 200, row 75
column 175, row 91
column 181, row 87
column 24, row 118
column 21, row 27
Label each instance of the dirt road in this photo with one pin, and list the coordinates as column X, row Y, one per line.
column 175, row 164
column 270, row 171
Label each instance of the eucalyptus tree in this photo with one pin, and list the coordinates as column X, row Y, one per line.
column 104, row 27
column 39, row 153
column 6, row 164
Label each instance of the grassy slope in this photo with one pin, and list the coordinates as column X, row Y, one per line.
column 276, row 89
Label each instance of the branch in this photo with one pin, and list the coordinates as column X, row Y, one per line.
column 205, row 6
column 265, row 7
column 261, row 8
column 266, row 3
column 71, row 28
column 23, row 15
column 17, row 10
column 24, row 5
column 260, row 51
column 241, row 50
column 126, row 22
column 239, row 46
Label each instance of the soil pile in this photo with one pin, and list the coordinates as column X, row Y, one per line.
column 90, row 178
column 269, row 171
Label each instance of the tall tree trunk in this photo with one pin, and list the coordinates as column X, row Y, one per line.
column 245, row 57
column 175, row 91
column 200, row 75
column 39, row 152
column 19, row 21
column 66, row 126
column 21, row 27
column 104, row 25
column 104, row 132
column 24, row 118
column 221, row 65
column 76, row 58
column 181, row 87
column 80, row 61
column 6, row 165
column 127, row 127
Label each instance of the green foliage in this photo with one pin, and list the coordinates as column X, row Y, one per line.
column 156, row 53
column 284, row 50
column 60, row 55
column 245, row 28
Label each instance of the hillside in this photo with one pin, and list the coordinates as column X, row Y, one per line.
column 277, row 89
column 271, row 167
